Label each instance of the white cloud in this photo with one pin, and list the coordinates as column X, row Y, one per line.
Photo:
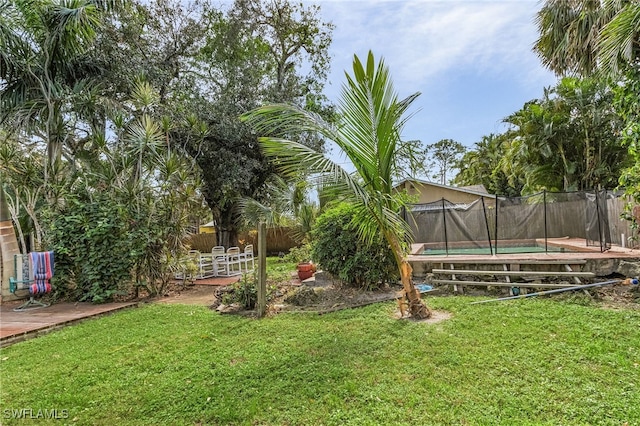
column 422, row 40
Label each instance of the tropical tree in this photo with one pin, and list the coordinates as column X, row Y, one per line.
column 482, row 165
column 445, row 154
column 134, row 199
column 209, row 65
column 567, row 140
column 21, row 183
column 371, row 121
column 585, row 36
column 257, row 54
column 627, row 102
column 43, row 69
column 411, row 160
column 619, row 41
column 283, row 204
column 569, row 31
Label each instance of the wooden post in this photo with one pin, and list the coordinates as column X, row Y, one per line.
column 262, row 269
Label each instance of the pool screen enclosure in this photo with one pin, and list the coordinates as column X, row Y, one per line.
column 493, row 225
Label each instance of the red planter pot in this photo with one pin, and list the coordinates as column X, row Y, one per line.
column 305, row 270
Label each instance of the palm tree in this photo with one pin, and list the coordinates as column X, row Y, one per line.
column 42, row 65
column 569, row 34
column 585, row 36
column 620, row 38
column 369, row 135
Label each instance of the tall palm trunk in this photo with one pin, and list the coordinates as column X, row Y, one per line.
column 417, row 308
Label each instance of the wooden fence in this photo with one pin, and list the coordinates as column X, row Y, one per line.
column 279, row 240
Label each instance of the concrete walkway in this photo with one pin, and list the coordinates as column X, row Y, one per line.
column 22, row 325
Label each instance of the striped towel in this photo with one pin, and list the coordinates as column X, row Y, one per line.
column 42, row 267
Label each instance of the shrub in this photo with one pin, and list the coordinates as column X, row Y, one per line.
column 94, row 252
column 337, row 248
column 245, row 292
column 298, row 254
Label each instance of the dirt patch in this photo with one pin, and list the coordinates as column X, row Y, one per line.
column 619, row 297
column 332, row 298
column 189, row 295
column 296, row 297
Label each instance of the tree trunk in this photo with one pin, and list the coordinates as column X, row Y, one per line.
column 5, row 214
column 227, row 234
column 417, row 308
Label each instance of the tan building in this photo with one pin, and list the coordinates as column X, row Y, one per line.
column 429, row 192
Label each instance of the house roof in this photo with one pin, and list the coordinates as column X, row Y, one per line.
column 478, row 190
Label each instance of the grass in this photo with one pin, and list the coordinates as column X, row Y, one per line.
column 279, row 270
column 527, row 362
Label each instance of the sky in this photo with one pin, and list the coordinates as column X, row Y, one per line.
column 471, row 60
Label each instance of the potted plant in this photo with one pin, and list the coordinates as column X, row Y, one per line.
column 302, row 256
column 306, row 270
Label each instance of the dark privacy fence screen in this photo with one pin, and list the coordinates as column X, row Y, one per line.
column 493, row 225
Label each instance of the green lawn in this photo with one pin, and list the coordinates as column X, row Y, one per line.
column 531, row 361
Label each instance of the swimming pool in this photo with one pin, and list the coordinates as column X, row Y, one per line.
column 503, row 247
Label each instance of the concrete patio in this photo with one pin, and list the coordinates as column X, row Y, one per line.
column 22, row 325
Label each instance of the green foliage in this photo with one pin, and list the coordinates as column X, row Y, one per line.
column 372, row 117
column 245, row 291
column 411, row 160
column 584, row 37
column 627, row 104
column 445, row 155
column 22, row 182
column 285, row 204
column 299, row 254
column 371, row 142
column 339, row 250
column 566, row 141
column 211, row 63
column 482, row 165
column 94, row 250
column 45, row 75
column 525, row 362
column 121, row 227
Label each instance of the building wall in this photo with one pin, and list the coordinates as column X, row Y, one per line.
column 429, row 193
column 8, row 248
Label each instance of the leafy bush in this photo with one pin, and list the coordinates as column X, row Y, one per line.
column 245, row 292
column 337, row 248
column 94, row 252
column 298, row 254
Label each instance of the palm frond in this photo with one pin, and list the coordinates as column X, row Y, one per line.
column 372, row 131
column 294, row 159
column 254, row 212
column 619, row 39
column 71, row 24
column 287, row 119
column 372, row 119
